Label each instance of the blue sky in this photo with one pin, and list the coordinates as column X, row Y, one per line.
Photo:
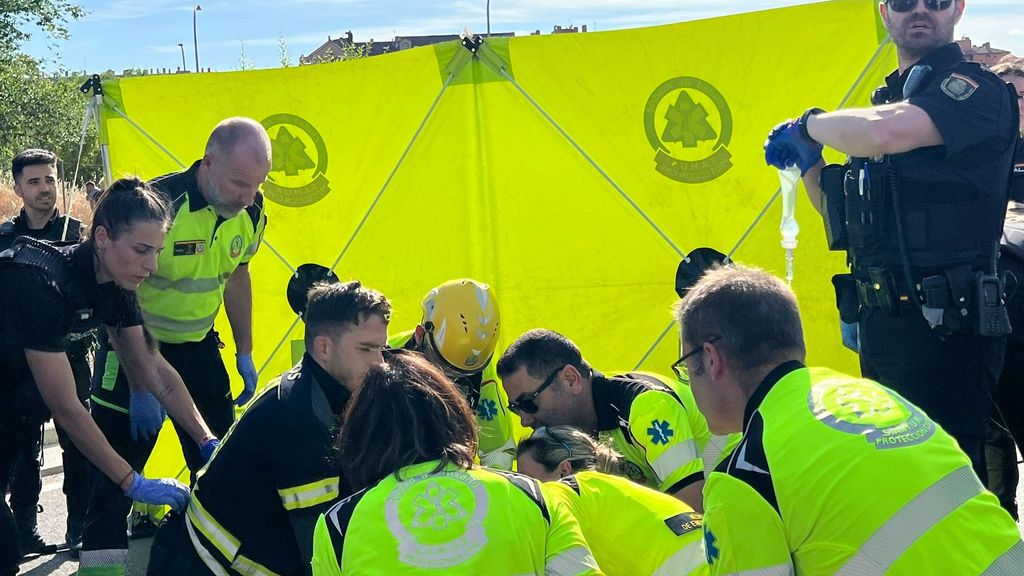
column 123, row 34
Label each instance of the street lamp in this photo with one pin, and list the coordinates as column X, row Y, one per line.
column 195, row 38
column 184, row 67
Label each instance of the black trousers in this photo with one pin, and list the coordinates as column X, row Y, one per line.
column 952, row 380
column 15, row 425
column 202, row 369
column 172, row 552
column 26, row 483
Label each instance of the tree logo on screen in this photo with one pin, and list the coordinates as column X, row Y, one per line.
column 689, row 125
column 298, row 169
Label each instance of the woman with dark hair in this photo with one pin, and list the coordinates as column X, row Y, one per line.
column 618, row 516
column 47, row 293
column 423, row 507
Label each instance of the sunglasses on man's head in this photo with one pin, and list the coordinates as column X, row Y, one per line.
column 526, row 404
column 908, row 5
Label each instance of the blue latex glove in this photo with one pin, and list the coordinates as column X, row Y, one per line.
column 207, row 448
column 851, row 335
column 786, row 147
column 247, row 370
column 146, row 415
column 161, row 491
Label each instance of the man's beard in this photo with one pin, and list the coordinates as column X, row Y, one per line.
column 217, row 202
column 919, row 43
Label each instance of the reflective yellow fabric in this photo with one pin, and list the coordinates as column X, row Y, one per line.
column 491, row 190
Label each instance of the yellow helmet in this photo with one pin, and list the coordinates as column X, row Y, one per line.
column 461, row 320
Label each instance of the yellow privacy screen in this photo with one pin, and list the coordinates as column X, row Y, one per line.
column 570, row 172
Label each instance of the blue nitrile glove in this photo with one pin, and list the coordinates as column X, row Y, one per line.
column 247, row 370
column 161, row 491
column 146, row 415
column 851, row 335
column 786, row 146
column 207, row 448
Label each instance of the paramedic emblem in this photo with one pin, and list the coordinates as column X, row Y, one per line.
column 236, row 246
column 438, row 519
column 863, row 407
column 299, row 164
column 689, row 125
column 958, row 86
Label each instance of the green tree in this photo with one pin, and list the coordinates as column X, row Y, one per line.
column 50, row 16
column 44, row 111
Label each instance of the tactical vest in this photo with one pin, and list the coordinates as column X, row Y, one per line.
column 79, row 312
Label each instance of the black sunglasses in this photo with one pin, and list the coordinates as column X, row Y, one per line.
column 527, row 404
column 908, row 5
column 679, row 366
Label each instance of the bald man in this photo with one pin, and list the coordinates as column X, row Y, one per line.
column 218, row 225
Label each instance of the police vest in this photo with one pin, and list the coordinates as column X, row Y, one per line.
column 79, row 311
column 840, row 475
column 925, row 208
column 631, row 529
column 180, row 301
column 452, row 521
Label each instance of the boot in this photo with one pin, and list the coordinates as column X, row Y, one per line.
column 29, row 540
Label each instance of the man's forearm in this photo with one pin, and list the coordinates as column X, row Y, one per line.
column 868, row 132
column 238, row 307
column 812, row 182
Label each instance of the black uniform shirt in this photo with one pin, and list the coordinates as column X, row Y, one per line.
column 39, row 312
column 52, row 231
column 273, row 474
column 953, row 195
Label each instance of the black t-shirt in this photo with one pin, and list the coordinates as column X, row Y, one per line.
column 39, row 308
column 53, row 231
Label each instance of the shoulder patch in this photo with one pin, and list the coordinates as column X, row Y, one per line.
column 958, row 87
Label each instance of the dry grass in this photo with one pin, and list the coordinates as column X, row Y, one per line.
column 10, row 204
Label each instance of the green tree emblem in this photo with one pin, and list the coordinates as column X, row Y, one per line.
column 687, row 122
column 289, row 154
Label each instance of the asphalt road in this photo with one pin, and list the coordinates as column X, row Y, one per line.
column 51, row 526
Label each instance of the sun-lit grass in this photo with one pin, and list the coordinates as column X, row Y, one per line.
column 10, row 204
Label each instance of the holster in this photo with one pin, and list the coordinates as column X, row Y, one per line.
column 880, row 291
column 846, row 297
column 833, row 208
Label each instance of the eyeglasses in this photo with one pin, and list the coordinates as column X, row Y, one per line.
column 679, row 366
column 908, row 5
column 527, row 404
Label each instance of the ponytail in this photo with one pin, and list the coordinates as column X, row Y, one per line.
column 127, row 201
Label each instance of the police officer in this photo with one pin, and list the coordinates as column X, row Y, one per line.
column 651, row 420
column 254, row 506
column 458, row 333
column 218, row 224
column 75, row 289
column 422, row 506
column 919, row 209
column 834, row 474
column 618, row 517
column 35, row 182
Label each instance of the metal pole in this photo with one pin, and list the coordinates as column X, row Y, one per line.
column 184, row 66
column 195, row 37
column 488, row 18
